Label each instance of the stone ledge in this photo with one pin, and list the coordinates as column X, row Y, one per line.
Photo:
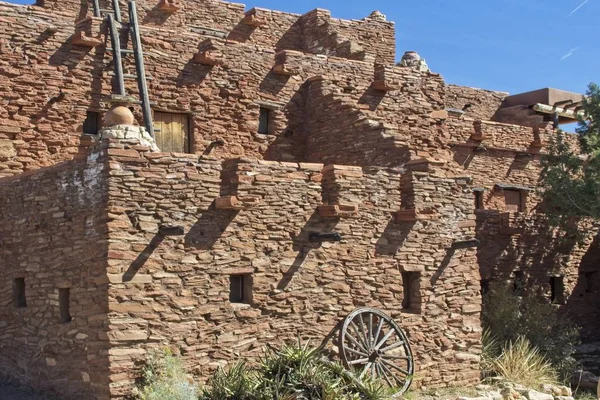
column 338, row 211
column 414, row 216
column 236, row 203
column 169, row 6
column 88, row 32
column 255, row 17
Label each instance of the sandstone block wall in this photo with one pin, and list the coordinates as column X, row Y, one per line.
column 53, row 235
column 176, row 291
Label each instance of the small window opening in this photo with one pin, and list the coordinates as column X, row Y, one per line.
column 19, row 292
column 485, row 287
column 91, row 125
column 264, row 121
column 479, row 200
column 64, row 304
column 411, row 282
column 519, row 282
column 557, row 289
column 515, row 200
column 240, row 289
column 591, row 282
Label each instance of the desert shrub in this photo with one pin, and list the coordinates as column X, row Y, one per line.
column 294, row 371
column 520, row 362
column 507, row 317
column 238, row 382
column 164, row 378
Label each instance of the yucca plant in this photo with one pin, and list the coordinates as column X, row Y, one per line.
column 522, row 363
column 236, row 383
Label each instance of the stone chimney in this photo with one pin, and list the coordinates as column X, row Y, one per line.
column 119, row 124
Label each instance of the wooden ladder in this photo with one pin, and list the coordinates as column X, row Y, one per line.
column 113, row 18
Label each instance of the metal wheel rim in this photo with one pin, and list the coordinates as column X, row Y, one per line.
column 378, row 351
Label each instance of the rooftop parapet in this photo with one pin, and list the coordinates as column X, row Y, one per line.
column 541, row 107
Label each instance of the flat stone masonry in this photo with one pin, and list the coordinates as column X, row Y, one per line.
column 392, row 158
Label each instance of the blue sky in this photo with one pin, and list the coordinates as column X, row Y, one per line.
column 507, row 45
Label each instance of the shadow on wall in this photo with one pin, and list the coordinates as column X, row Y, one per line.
column 209, row 228
column 393, row 237
column 303, row 245
column 583, row 306
column 291, row 144
column 193, row 73
column 65, row 56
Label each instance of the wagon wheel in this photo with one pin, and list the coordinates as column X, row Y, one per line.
column 373, row 345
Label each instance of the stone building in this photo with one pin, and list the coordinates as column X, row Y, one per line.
column 270, row 128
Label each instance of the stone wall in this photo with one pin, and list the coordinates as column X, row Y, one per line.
column 175, row 291
column 53, row 235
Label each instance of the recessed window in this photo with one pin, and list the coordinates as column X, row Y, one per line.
column 591, row 281
column 91, row 125
column 411, row 282
column 264, row 121
column 240, row 289
column 485, row 287
column 557, row 289
column 64, row 299
column 19, row 293
column 515, row 200
column 519, row 282
column 478, row 200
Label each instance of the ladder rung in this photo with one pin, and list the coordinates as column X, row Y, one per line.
column 107, row 11
column 131, row 76
column 126, row 51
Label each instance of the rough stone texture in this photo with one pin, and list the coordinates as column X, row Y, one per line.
column 53, row 234
column 356, row 145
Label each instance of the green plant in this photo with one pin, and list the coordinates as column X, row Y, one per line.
column 506, row 317
column 520, row 362
column 292, row 372
column 164, row 378
column 237, row 383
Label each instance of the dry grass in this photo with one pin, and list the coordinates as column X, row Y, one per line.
column 522, row 363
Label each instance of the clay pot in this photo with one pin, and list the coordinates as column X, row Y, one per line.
column 119, row 116
column 411, row 56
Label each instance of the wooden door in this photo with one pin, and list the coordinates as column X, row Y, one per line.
column 171, row 132
column 514, row 200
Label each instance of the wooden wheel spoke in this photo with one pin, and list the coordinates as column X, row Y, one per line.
column 394, row 366
column 363, row 332
column 378, row 331
column 361, row 337
column 356, row 342
column 365, row 369
column 370, row 330
column 359, row 361
column 395, row 357
column 357, row 352
column 385, row 338
column 385, row 376
column 396, row 378
column 393, row 346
